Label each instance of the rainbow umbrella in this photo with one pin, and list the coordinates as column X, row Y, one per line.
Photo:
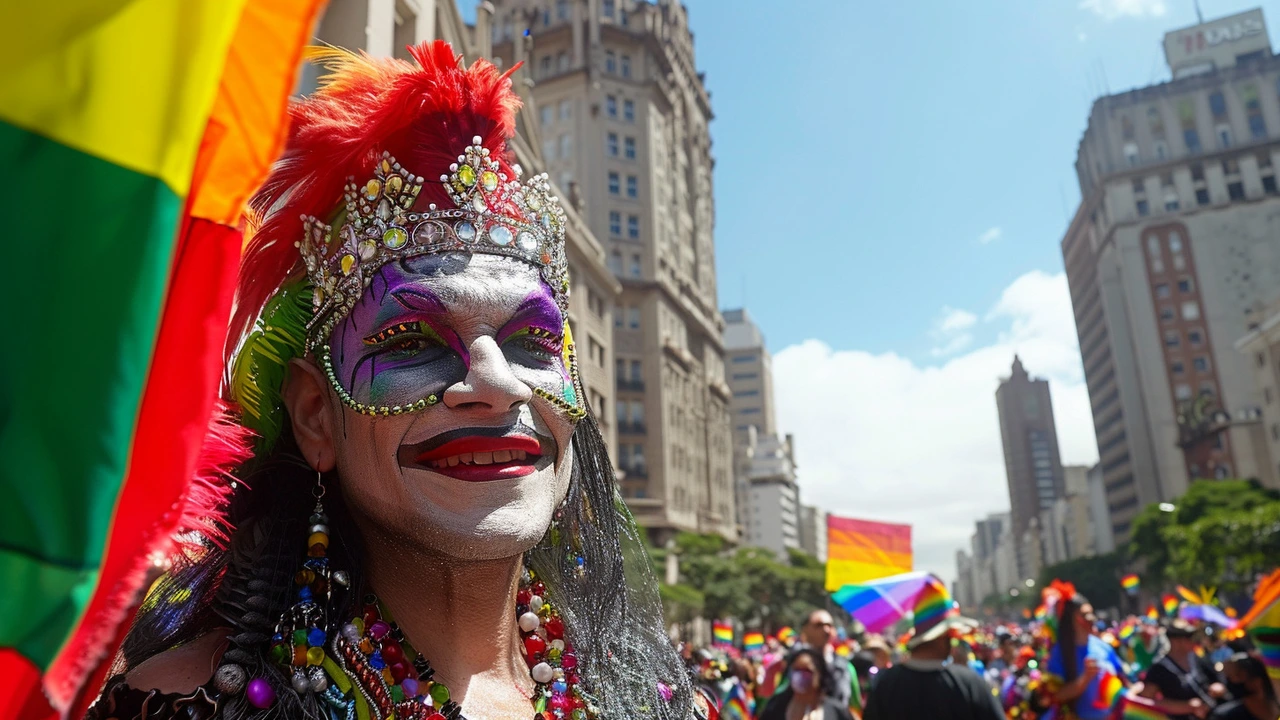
column 880, row 603
column 1206, row 613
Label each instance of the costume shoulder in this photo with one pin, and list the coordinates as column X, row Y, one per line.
column 175, row 683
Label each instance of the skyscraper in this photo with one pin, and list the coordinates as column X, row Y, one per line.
column 623, row 118
column 1033, row 467
column 1173, row 254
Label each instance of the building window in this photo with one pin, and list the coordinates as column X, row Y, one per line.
column 1192, row 140
column 1131, row 153
column 1162, row 290
column 611, row 144
column 566, row 109
column 1257, row 126
column 633, row 227
column 1143, row 209
column 1202, row 197
column 562, row 9
column 626, row 66
column 611, row 106
column 1175, row 243
column 1201, row 364
column 610, row 62
column 1166, row 314
column 607, row 10
column 1235, row 190
column 1269, row 184
column 549, row 148
column 1184, row 285
column 633, row 186
column 635, row 265
column 738, row 359
column 1195, row 338
column 633, row 322
column 615, row 183
column 615, row 223
column 1190, row 310
column 1224, row 135
column 562, row 62
column 1176, row 367
column 1207, row 388
column 615, row 262
column 1182, row 391
column 1170, row 201
column 1217, row 105
column 544, row 114
column 1197, row 172
column 1139, row 186
column 1162, row 149
column 628, row 111
column 1172, row 339
column 629, row 148
column 566, row 146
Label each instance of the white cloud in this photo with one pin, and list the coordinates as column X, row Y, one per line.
column 950, row 331
column 990, row 236
column 883, row 438
column 1112, row 9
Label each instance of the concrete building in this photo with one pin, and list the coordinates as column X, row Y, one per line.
column 623, row 115
column 750, row 376
column 813, row 531
column 989, row 567
column 1104, row 541
column 1032, row 464
column 1171, row 257
column 1261, row 350
column 768, row 499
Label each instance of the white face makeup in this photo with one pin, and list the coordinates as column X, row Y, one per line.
column 479, row 474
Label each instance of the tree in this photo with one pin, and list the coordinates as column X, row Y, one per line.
column 1097, row 577
column 1221, row 533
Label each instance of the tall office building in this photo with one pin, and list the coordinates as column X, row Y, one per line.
column 386, row 27
column 1171, row 257
column 813, row 531
column 1032, row 465
column 623, row 118
column 1261, row 349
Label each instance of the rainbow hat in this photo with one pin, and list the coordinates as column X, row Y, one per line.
column 935, row 613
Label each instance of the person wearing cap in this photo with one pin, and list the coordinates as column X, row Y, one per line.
column 926, row 686
column 1176, row 681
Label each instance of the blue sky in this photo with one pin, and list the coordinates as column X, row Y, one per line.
column 864, row 148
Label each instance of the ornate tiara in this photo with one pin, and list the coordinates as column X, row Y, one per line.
column 493, row 214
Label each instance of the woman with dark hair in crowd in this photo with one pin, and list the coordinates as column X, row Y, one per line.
column 809, row 692
column 1088, row 667
column 1255, row 696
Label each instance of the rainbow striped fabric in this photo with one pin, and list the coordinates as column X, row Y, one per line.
column 1152, row 613
column 1170, row 604
column 878, row 604
column 131, row 134
column 1263, row 622
column 1110, row 692
column 1138, row 708
column 752, row 641
column 1126, row 630
column 722, row 633
column 932, row 605
column 1130, row 583
column 786, row 635
column 736, row 705
column 862, row 550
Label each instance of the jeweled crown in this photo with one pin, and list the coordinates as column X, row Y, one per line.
column 493, row 214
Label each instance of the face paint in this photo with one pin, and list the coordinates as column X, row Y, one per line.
column 479, row 474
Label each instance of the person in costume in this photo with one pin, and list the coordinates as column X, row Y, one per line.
column 811, row 691
column 1088, row 677
column 1254, row 696
column 422, row 517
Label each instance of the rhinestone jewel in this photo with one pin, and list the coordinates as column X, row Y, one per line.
column 371, row 189
column 366, row 249
column 478, row 203
column 500, row 235
column 489, row 180
column 384, row 210
column 395, row 238
column 427, row 233
column 467, row 175
column 527, row 241
column 394, row 184
column 466, row 231
column 348, row 262
column 533, row 202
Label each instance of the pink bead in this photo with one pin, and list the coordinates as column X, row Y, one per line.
column 568, row 661
column 260, row 693
column 561, row 703
column 379, row 630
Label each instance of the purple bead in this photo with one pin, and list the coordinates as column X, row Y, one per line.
column 410, row 687
column 260, row 694
column 379, row 630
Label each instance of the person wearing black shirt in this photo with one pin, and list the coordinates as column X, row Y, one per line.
column 926, row 688
column 1255, row 696
column 1176, row 681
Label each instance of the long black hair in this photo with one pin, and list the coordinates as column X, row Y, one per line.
column 1252, row 666
column 1067, row 635
column 608, row 601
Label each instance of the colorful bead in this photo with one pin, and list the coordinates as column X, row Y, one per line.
column 315, row 656
column 318, row 538
column 315, row 637
column 529, row 622
column 555, row 627
column 439, row 694
column 379, row 630
column 410, row 686
column 568, row 661
column 534, row 647
column 542, row 673
column 299, row 655
column 260, row 693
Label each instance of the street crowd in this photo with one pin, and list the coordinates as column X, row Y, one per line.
column 1066, row 661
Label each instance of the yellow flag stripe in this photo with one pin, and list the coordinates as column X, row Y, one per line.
column 133, row 86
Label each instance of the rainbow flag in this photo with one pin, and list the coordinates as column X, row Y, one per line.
column 863, row 550
column 1152, row 613
column 786, row 635
column 1170, row 604
column 752, row 641
column 878, row 604
column 1263, row 622
column 736, row 704
column 131, row 134
column 1130, row 583
column 1110, row 691
column 722, row 633
column 1139, row 708
column 1127, row 630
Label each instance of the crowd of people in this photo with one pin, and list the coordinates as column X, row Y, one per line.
column 1067, row 661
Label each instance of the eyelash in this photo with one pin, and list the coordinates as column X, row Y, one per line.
column 539, row 342
column 419, row 338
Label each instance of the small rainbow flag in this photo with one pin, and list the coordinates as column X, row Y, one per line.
column 933, row 603
column 786, row 635
column 1170, row 604
column 736, row 706
column 1110, row 691
column 722, row 632
column 1126, row 630
column 1130, row 583
column 1152, row 613
column 1139, row 708
column 752, row 641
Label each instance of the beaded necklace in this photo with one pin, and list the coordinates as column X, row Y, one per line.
column 367, row 670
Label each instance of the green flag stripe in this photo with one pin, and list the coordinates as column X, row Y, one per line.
column 90, row 247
